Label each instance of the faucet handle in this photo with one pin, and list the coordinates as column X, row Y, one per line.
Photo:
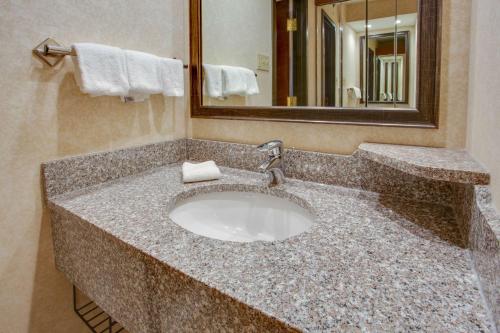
column 274, row 147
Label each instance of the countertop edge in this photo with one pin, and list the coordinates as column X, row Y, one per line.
column 426, row 171
column 53, row 205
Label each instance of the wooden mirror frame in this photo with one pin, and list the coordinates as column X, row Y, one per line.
column 425, row 115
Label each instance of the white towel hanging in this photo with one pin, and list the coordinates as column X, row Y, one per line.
column 172, row 77
column 143, row 75
column 239, row 81
column 213, row 80
column 101, row 70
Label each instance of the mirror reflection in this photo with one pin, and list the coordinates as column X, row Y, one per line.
column 310, row 53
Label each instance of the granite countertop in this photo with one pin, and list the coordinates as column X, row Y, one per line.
column 370, row 262
column 434, row 163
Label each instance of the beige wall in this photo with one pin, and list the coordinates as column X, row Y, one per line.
column 483, row 139
column 44, row 116
column 345, row 138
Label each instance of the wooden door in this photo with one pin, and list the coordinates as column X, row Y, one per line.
column 282, row 53
column 329, row 61
column 290, row 49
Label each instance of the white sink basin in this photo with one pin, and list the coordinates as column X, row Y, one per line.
column 241, row 216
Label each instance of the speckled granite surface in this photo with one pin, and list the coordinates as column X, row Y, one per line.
column 481, row 223
column 434, row 163
column 371, row 262
column 348, row 171
column 78, row 172
column 111, row 241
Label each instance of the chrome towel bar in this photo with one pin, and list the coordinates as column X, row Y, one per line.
column 51, row 52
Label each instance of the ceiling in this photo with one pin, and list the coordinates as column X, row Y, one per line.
column 407, row 20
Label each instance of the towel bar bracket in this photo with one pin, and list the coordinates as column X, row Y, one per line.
column 51, row 52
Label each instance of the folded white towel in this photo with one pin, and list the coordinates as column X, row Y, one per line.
column 355, row 92
column 252, row 85
column 149, row 75
column 213, row 80
column 101, row 70
column 198, row 172
column 239, row 81
column 143, row 74
column 172, row 76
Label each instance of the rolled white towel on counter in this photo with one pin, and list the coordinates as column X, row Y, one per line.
column 198, row 172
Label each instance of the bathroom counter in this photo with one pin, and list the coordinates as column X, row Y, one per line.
column 370, row 262
column 434, row 163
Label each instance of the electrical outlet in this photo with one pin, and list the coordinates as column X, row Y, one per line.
column 263, row 63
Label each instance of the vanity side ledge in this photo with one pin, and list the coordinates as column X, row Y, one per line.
column 455, row 166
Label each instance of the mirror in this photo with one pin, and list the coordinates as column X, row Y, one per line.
column 309, row 53
column 387, row 72
column 369, row 62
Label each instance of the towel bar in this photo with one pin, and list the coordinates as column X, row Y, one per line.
column 51, row 52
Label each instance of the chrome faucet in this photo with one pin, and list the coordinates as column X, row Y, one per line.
column 273, row 166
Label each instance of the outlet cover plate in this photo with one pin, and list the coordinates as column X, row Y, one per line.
column 263, row 63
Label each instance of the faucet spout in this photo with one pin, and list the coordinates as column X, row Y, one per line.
column 273, row 166
column 276, row 176
column 273, row 162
